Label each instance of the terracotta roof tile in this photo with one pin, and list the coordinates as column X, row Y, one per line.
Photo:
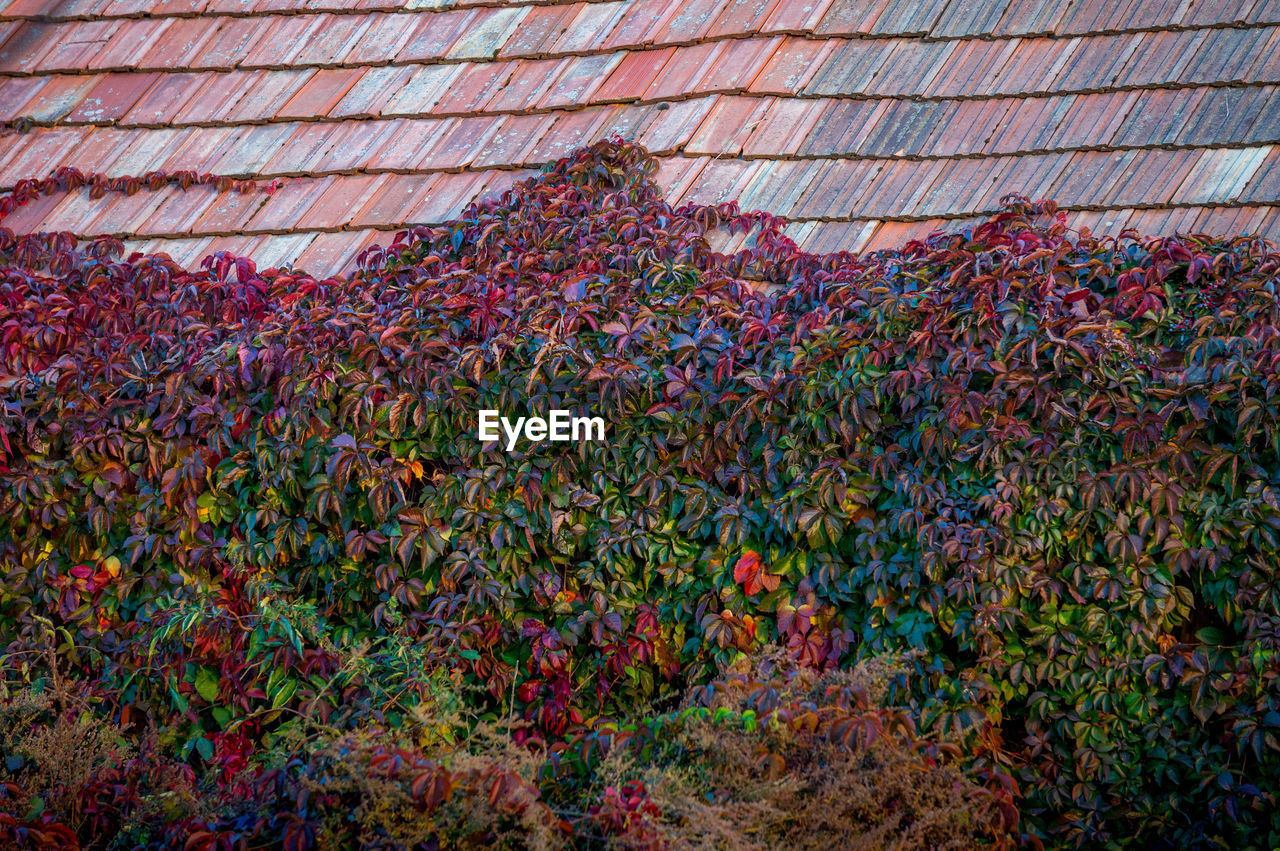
column 330, row 253
column 910, row 67
column 229, row 211
column 1220, row 175
column 570, row 131
column 849, row 68
column 844, row 126
column 278, row 250
column 336, row 37
column 371, row 93
column 900, row 129
column 529, row 82
column 355, row 144
column 803, row 15
column 683, row 71
column 1093, row 120
column 1221, row 11
column 967, row 17
column 340, row 202
column 17, row 92
column 1267, row 65
column 448, row 197
column 675, row 173
column 40, row 158
column 792, row 66
column 827, row 237
column 581, row 66
column 202, row 148
column 715, row 181
column 1051, row 121
column 162, row 101
column 972, row 68
column 236, row 246
column 219, row 93
column 394, row 198
column 1228, row 56
column 1149, row 177
column 33, row 216
column 1015, row 130
column 1033, row 17
column 693, row 19
column 1161, row 57
column 178, row 212
column 277, row 148
column 767, row 181
column 541, row 26
column 908, row 18
column 938, row 197
column 785, row 125
column 892, row 235
column 728, row 125
column 184, row 38
column 25, row 46
column 582, row 77
column 1099, row 62
column 1221, row 115
column 486, row 33
column 123, row 214
column 72, row 211
column 58, row 96
column 465, row 140
column 590, row 28
column 99, row 148
column 675, row 126
column 321, row 93
column 385, row 37
column 437, row 33
column 410, row 143
column 1156, row 118
column 1265, row 184
column 475, row 85
column 290, row 203
column 644, row 17
column 922, row 177
column 429, row 85
column 633, row 75
column 737, row 63
column 1032, row 66
column 630, row 122
column 832, row 192
column 850, row 17
column 741, row 16
column 516, row 135
column 268, row 96
column 77, row 48
column 288, row 36
column 888, row 191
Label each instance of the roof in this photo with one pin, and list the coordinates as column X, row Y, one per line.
column 863, row 122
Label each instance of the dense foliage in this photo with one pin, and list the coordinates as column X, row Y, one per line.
column 1041, row 467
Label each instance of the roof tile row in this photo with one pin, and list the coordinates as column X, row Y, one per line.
column 782, row 66
column 838, row 189
column 325, row 253
column 510, row 32
column 752, row 127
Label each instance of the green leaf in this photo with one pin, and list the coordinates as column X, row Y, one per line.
column 206, row 684
column 283, row 694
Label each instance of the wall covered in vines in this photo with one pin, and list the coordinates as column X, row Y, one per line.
column 1043, row 469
